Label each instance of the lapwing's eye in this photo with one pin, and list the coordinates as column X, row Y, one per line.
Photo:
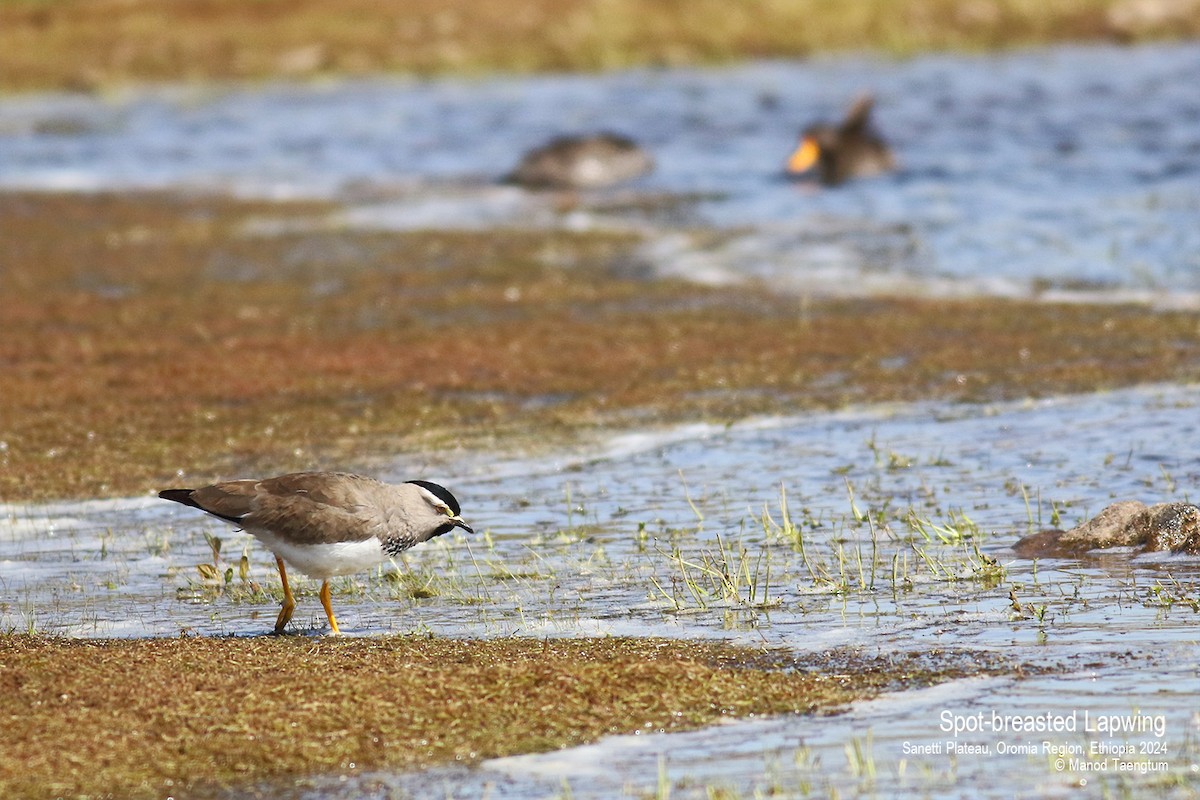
column 444, row 510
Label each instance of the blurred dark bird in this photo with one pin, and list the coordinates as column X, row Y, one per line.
column 582, row 162
column 852, row 149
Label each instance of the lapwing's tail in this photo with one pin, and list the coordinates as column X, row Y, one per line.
column 188, row 498
column 180, row 496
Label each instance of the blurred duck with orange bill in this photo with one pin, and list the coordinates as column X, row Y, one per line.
column 842, row 152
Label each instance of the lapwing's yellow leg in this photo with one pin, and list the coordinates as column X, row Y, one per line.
column 325, row 601
column 289, row 602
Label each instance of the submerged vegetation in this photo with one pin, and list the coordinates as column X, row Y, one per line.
column 153, row 338
column 161, row 717
column 779, row 560
column 88, row 44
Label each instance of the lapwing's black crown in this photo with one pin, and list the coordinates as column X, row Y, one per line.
column 440, row 492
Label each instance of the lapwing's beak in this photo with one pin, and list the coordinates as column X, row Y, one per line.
column 459, row 523
column 805, row 156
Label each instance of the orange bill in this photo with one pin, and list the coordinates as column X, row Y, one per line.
column 805, row 156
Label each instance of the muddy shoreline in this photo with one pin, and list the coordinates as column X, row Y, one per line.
column 150, row 340
column 203, row 716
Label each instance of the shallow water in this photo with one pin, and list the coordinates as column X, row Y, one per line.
column 1072, row 172
column 605, row 541
column 1069, row 173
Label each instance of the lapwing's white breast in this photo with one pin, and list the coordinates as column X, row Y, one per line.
column 324, row 560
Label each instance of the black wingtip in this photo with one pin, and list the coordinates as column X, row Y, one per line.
column 186, row 497
column 179, row 496
column 441, row 492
